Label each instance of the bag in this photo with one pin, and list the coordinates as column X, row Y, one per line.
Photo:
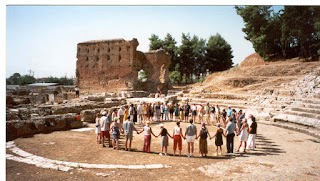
column 204, row 134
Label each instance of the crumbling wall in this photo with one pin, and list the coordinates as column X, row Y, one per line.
column 105, row 64
column 113, row 65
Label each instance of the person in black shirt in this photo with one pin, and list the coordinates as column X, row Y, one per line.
column 186, row 112
column 252, row 135
column 164, row 139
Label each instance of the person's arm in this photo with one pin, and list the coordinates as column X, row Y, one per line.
column 198, row 135
column 159, row 132
column 208, row 133
column 214, row 135
column 184, row 137
column 152, row 133
column 169, row 135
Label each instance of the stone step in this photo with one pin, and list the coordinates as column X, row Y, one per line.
column 307, row 110
column 226, row 96
column 312, row 101
column 315, row 132
column 301, row 120
column 303, row 114
column 220, row 101
column 309, row 105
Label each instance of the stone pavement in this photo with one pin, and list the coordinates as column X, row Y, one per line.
column 28, row 158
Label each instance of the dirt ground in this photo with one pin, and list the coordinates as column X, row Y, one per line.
column 280, row 153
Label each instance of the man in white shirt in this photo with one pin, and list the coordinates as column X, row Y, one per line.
column 105, row 128
column 121, row 113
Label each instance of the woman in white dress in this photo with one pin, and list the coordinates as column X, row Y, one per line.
column 244, row 133
column 98, row 128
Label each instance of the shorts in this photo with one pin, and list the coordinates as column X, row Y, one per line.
column 105, row 134
column 128, row 137
column 77, row 93
column 191, row 138
column 186, row 114
column 115, row 136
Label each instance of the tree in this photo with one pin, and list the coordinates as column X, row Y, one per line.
column 14, row 79
column 300, row 32
column 198, row 55
column 185, row 52
column 291, row 32
column 169, row 45
column 155, row 42
column 218, row 54
column 262, row 26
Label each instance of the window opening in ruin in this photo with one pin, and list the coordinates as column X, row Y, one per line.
column 88, row 50
column 128, row 48
column 119, row 49
column 142, row 76
column 108, row 49
column 98, row 50
column 87, row 59
column 119, row 58
column 108, row 57
column 97, row 59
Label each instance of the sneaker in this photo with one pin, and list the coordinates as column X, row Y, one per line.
column 188, row 156
column 160, row 154
column 165, row 154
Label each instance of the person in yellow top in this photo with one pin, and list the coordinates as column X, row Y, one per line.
column 126, row 113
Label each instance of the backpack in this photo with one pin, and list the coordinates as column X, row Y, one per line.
column 204, row 134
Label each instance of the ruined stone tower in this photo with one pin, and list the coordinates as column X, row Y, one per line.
column 113, row 65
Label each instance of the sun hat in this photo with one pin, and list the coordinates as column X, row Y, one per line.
column 161, row 125
column 115, row 119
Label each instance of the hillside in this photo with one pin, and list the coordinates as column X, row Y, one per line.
column 255, row 76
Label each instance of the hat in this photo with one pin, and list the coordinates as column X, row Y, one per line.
column 115, row 119
column 104, row 113
column 148, row 122
column 161, row 125
column 218, row 125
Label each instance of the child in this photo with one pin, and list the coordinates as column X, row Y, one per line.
column 164, row 139
column 218, row 139
column 98, row 128
column 115, row 133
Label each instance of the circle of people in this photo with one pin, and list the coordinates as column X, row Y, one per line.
column 110, row 125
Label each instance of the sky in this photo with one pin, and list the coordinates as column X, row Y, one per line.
column 44, row 39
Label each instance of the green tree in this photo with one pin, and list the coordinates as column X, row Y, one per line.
column 262, row 26
column 198, row 55
column 155, row 42
column 300, row 31
column 27, row 79
column 14, row 79
column 218, row 54
column 185, row 52
column 169, row 45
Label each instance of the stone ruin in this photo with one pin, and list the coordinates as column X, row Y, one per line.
column 113, row 66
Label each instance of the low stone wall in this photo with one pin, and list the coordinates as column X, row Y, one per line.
column 45, row 124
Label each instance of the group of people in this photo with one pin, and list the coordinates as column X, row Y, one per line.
column 110, row 125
